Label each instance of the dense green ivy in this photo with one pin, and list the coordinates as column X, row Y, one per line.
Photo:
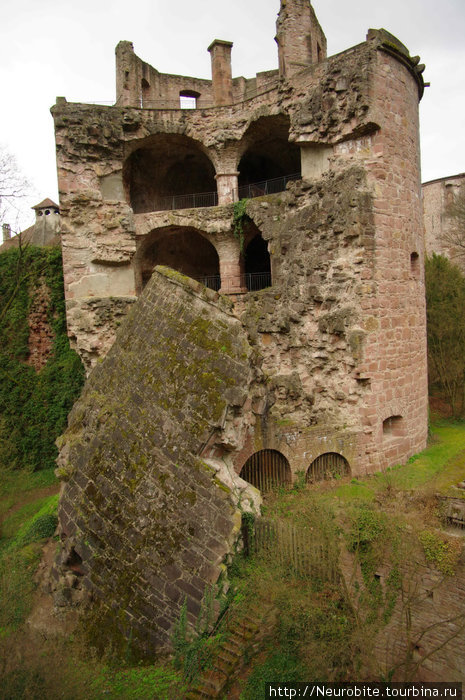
column 33, row 405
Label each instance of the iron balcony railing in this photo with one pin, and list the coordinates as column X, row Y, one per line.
column 258, row 189
column 186, row 201
column 210, row 199
column 252, row 281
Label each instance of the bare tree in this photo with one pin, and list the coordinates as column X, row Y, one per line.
column 454, row 235
column 13, row 186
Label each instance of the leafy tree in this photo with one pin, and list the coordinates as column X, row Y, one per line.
column 445, row 308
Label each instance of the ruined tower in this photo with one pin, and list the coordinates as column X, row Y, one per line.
column 266, row 246
column 301, row 41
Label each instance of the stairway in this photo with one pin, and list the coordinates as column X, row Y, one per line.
column 244, row 635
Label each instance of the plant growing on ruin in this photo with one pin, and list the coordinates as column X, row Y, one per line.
column 240, row 217
column 33, row 405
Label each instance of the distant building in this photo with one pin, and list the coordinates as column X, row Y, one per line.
column 437, row 196
column 45, row 231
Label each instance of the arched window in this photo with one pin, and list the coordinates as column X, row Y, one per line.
column 144, row 93
column 328, row 466
column 268, row 159
column 393, row 427
column 257, row 264
column 188, row 99
column 266, row 470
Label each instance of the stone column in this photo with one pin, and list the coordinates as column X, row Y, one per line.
column 220, row 52
column 228, row 187
column 229, row 254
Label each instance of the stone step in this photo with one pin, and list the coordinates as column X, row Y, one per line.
column 240, row 634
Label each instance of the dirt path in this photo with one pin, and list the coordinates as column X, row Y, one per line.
column 29, row 497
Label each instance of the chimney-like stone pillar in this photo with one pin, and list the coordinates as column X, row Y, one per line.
column 128, row 78
column 220, row 52
column 6, row 230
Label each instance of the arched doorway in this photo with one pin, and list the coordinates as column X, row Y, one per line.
column 268, row 157
column 257, row 264
column 266, row 469
column 183, row 249
column 169, row 171
column 328, row 466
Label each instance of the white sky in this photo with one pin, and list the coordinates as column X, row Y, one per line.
column 59, row 47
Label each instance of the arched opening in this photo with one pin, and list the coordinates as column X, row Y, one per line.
column 329, row 465
column 183, row 249
column 266, row 470
column 257, row 264
column 415, row 265
column 169, row 172
column 144, row 93
column 393, row 427
column 269, row 160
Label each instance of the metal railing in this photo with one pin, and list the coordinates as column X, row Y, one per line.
column 251, row 281
column 258, row 189
column 186, row 201
column 211, row 281
column 210, row 199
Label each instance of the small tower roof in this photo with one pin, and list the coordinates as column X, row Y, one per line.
column 45, row 204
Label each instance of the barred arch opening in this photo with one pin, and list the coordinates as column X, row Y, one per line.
column 328, row 466
column 267, row 469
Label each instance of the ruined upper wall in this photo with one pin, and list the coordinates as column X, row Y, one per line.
column 300, row 38
column 437, row 196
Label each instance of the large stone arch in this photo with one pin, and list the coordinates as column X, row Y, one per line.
column 265, row 151
column 165, row 170
column 183, row 248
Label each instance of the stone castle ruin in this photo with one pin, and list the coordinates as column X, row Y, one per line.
column 243, row 267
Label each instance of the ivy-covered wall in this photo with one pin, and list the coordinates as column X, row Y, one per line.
column 40, row 376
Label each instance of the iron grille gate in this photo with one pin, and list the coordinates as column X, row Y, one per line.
column 328, row 466
column 266, row 470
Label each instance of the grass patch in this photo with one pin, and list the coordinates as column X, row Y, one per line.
column 15, row 523
column 14, row 484
column 143, row 683
column 20, row 549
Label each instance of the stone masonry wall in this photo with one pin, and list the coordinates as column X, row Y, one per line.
column 149, row 522
column 330, row 358
column 437, row 194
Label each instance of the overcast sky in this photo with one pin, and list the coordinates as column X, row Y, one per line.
column 58, row 47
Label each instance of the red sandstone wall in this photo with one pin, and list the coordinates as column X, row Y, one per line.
column 395, row 352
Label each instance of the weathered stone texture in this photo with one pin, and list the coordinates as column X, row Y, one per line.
column 335, row 348
column 151, row 520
